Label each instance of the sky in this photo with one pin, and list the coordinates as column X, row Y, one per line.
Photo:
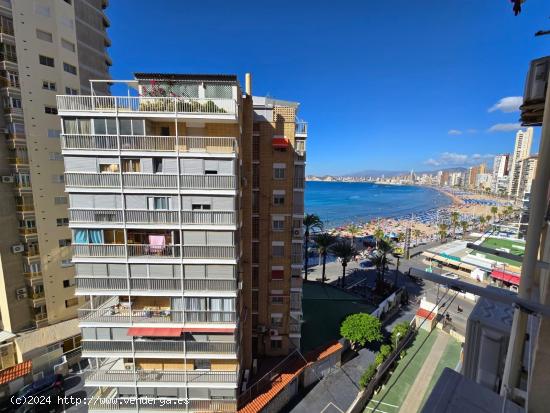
column 384, row 85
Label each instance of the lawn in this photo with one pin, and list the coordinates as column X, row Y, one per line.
column 324, row 308
column 516, row 248
column 450, row 358
column 394, row 392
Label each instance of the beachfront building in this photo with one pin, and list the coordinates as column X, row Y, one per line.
column 522, row 150
column 471, row 176
column 456, row 179
column 186, row 206
column 484, row 181
column 527, row 174
column 499, row 184
column 47, row 47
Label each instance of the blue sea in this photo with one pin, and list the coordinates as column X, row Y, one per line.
column 339, row 203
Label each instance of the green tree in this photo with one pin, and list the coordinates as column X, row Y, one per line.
column 481, row 223
column 367, row 376
column 399, row 331
column 385, row 351
column 385, row 246
column 354, row 230
column 494, row 211
column 344, row 250
column 416, row 233
column 311, row 222
column 455, row 216
column 442, row 230
column 378, row 234
column 324, row 241
column 361, row 328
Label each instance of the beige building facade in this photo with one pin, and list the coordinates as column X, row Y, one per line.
column 43, row 43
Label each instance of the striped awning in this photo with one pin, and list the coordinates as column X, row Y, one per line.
column 280, row 142
column 506, row 277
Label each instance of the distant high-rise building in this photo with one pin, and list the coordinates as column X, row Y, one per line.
column 444, row 178
column 522, row 149
column 47, row 48
column 500, row 174
column 473, row 172
column 527, row 174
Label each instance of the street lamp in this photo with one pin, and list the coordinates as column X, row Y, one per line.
column 397, row 338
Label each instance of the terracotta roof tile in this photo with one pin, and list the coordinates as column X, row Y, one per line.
column 14, row 372
column 291, row 371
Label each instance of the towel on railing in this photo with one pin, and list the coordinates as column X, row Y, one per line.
column 157, row 243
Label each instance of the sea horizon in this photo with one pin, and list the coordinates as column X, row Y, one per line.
column 343, row 203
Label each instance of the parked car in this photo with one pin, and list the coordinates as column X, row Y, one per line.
column 44, row 392
column 450, row 275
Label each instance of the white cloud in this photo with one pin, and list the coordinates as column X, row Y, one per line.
column 507, row 104
column 455, row 132
column 450, row 159
column 505, row 127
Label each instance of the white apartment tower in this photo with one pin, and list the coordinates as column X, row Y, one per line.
column 164, row 208
column 500, row 174
column 527, row 174
column 522, row 150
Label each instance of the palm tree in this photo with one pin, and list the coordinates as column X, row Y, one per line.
column 416, row 233
column 378, row 234
column 344, row 250
column 324, row 241
column 494, row 211
column 443, row 228
column 385, row 246
column 454, row 221
column 311, row 222
column 481, row 222
column 354, row 230
column 464, row 226
column 377, row 261
column 487, row 219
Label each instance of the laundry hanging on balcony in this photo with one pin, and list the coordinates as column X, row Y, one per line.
column 88, row 236
column 157, row 243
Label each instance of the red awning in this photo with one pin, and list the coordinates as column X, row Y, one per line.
column 281, row 142
column 422, row 312
column 154, row 332
column 207, row 330
column 506, row 276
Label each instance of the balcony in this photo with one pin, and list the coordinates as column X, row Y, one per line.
column 158, row 346
column 101, row 377
column 149, row 181
column 36, row 275
column 167, row 106
column 140, row 143
column 40, row 317
column 154, row 251
column 137, row 285
column 16, row 140
column 28, row 232
column 24, row 208
column 301, row 129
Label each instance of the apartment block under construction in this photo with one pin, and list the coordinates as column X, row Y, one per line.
column 186, row 208
column 47, row 47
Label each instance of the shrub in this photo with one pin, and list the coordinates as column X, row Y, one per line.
column 385, row 351
column 367, row 376
column 399, row 331
column 361, row 328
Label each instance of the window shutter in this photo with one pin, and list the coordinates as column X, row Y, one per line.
column 138, row 270
column 211, row 165
column 220, row 238
column 194, row 237
column 192, row 166
column 225, row 167
column 221, row 271
column 170, row 166
column 194, row 271
column 160, row 271
column 117, row 270
column 99, row 270
column 80, row 164
column 225, row 203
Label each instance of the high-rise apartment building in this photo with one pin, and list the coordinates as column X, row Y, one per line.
column 472, row 174
column 527, row 174
column 500, row 174
column 186, row 206
column 522, row 150
column 46, row 47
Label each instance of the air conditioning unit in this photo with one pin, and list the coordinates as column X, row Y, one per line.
column 261, row 328
column 8, row 179
column 21, row 293
column 18, row 248
column 240, row 285
column 129, row 366
column 535, row 92
column 273, row 332
column 297, row 232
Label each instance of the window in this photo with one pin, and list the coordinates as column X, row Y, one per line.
column 74, row 125
column 46, row 61
column 277, row 273
column 65, row 21
column 68, row 283
column 279, row 171
column 14, row 103
column 71, row 91
column 42, row 35
column 42, row 10
column 157, row 165
column 276, row 320
column 68, row 45
column 48, row 85
column 60, row 200
column 71, row 302
column 277, row 299
column 278, row 250
column 158, row 202
column 50, row 110
column 164, row 131
column 56, row 156
column 278, row 199
column 54, row 133
column 62, row 222
column 108, row 167
column 69, row 68
column 276, row 344
column 66, row 263
column 202, row 364
column 196, row 207
column 68, row 1
column 131, row 165
column 131, row 126
column 104, row 126
column 278, row 224
column 64, row 242
column 58, row 179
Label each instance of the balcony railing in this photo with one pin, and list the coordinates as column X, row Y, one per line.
column 155, row 251
column 146, row 405
column 301, row 128
column 114, row 104
column 294, row 328
column 160, row 376
column 153, row 216
column 160, row 346
column 152, row 181
column 153, row 284
column 181, row 144
column 110, row 314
